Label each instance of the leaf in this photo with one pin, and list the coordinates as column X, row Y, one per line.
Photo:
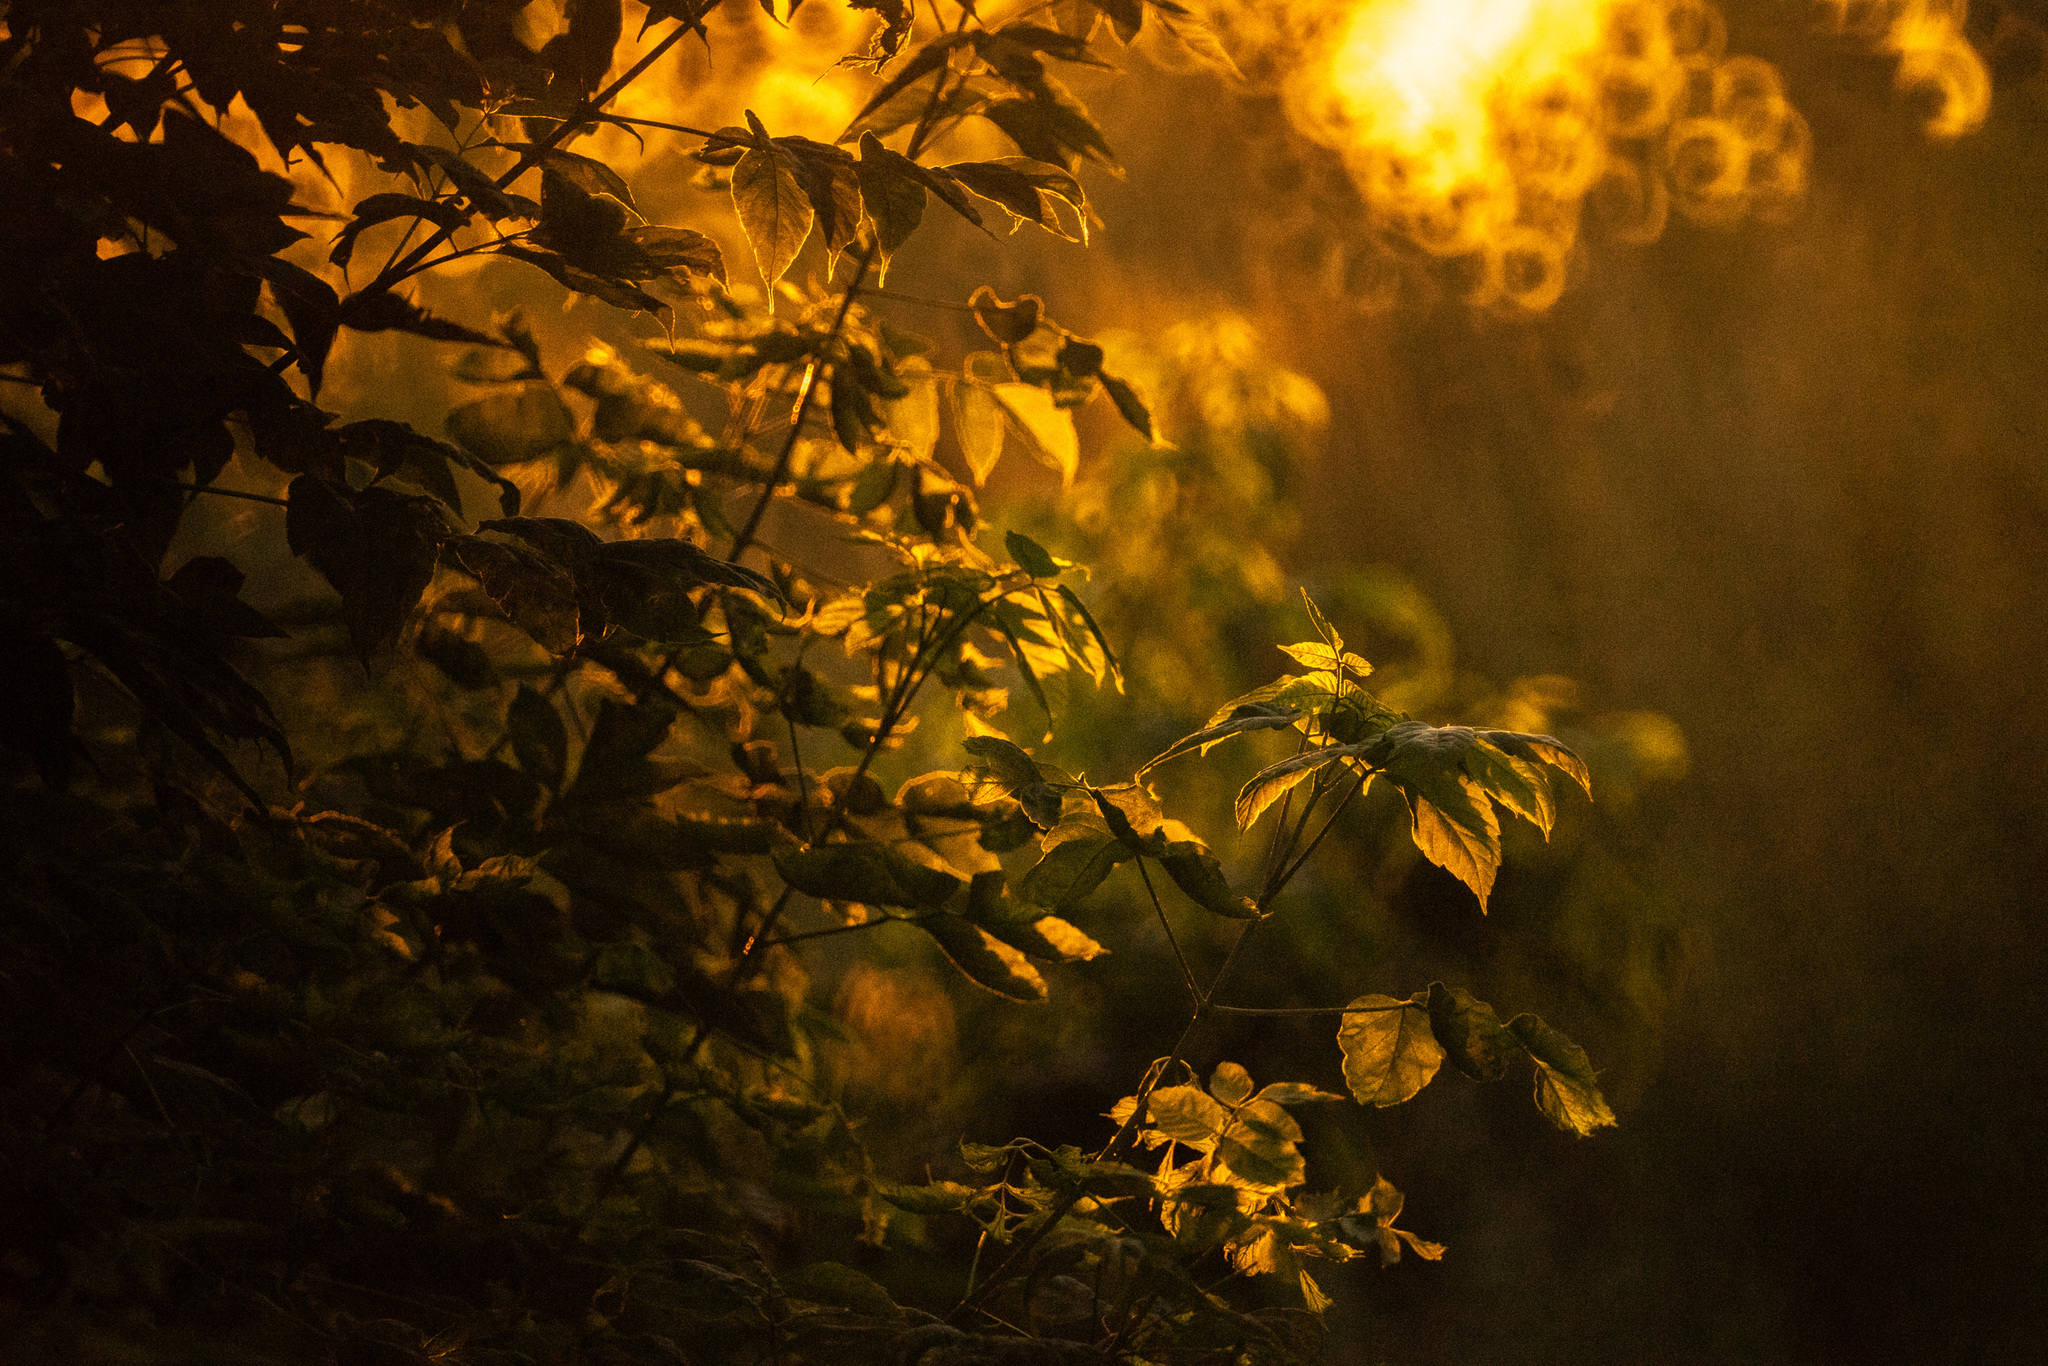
column 1389, row 1052
column 536, row 592
column 1567, row 1092
column 1269, row 784
column 1198, row 874
column 1187, row 1114
column 1128, row 404
column 894, row 199
column 1047, row 428
column 1471, row 1033
column 1006, row 323
column 1031, row 557
column 1296, row 1093
column 868, row 872
column 1249, row 716
column 539, row 740
column 1071, row 870
column 978, row 424
column 378, row 549
column 987, row 961
column 382, row 311
column 515, row 425
column 1451, row 776
column 1231, row 1084
column 1258, row 1148
column 382, row 208
column 773, row 209
column 683, row 249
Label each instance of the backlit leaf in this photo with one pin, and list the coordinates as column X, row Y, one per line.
column 1389, row 1051
column 773, row 209
column 1048, row 429
column 1567, row 1092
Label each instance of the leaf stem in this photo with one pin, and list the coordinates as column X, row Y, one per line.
column 1187, row 974
column 223, row 493
column 1310, row 1010
column 796, row 416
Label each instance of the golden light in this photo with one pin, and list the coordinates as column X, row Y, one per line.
column 1488, row 133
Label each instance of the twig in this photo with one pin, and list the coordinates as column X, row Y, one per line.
column 1310, row 1010
column 1187, row 975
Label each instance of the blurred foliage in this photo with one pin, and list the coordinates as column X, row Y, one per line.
column 413, row 972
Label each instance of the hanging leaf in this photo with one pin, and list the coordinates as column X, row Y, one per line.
column 1389, row 1051
column 1471, row 1033
column 774, row 211
column 1048, row 429
column 1567, row 1092
column 986, row 960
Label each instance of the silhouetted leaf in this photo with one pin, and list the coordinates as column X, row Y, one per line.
column 539, row 740
column 1471, row 1033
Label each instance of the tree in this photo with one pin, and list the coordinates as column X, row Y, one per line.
column 471, row 1021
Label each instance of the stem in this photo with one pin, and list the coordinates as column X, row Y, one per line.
column 1296, row 866
column 803, row 403
column 1311, row 1010
column 1187, row 975
column 224, row 493
column 836, row 929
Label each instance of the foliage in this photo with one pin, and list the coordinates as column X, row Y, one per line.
column 486, row 1037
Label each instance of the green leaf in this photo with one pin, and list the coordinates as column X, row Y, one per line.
column 536, row 592
column 1567, row 1092
column 1451, row 776
column 679, row 249
column 378, row 548
column 1389, row 1052
column 1128, row 404
column 834, row 1284
column 1471, row 1033
column 1269, row 784
column 986, row 960
column 382, row 208
column 978, row 424
column 514, row 426
column 774, row 211
column 1231, row 1084
column 894, row 198
column 1257, row 1148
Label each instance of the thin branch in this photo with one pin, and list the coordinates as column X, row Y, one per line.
column 224, row 493
column 836, row 929
column 533, row 155
column 803, row 403
column 1311, row 1010
column 918, row 299
column 1187, row 974
column 1296, row 866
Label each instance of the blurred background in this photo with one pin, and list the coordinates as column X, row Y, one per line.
column 1729, row 477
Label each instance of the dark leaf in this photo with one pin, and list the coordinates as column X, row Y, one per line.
column 382, row 208
column 1471, row 1033
column 986, row 960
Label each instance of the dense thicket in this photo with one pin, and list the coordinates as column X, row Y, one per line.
column 424, row 980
